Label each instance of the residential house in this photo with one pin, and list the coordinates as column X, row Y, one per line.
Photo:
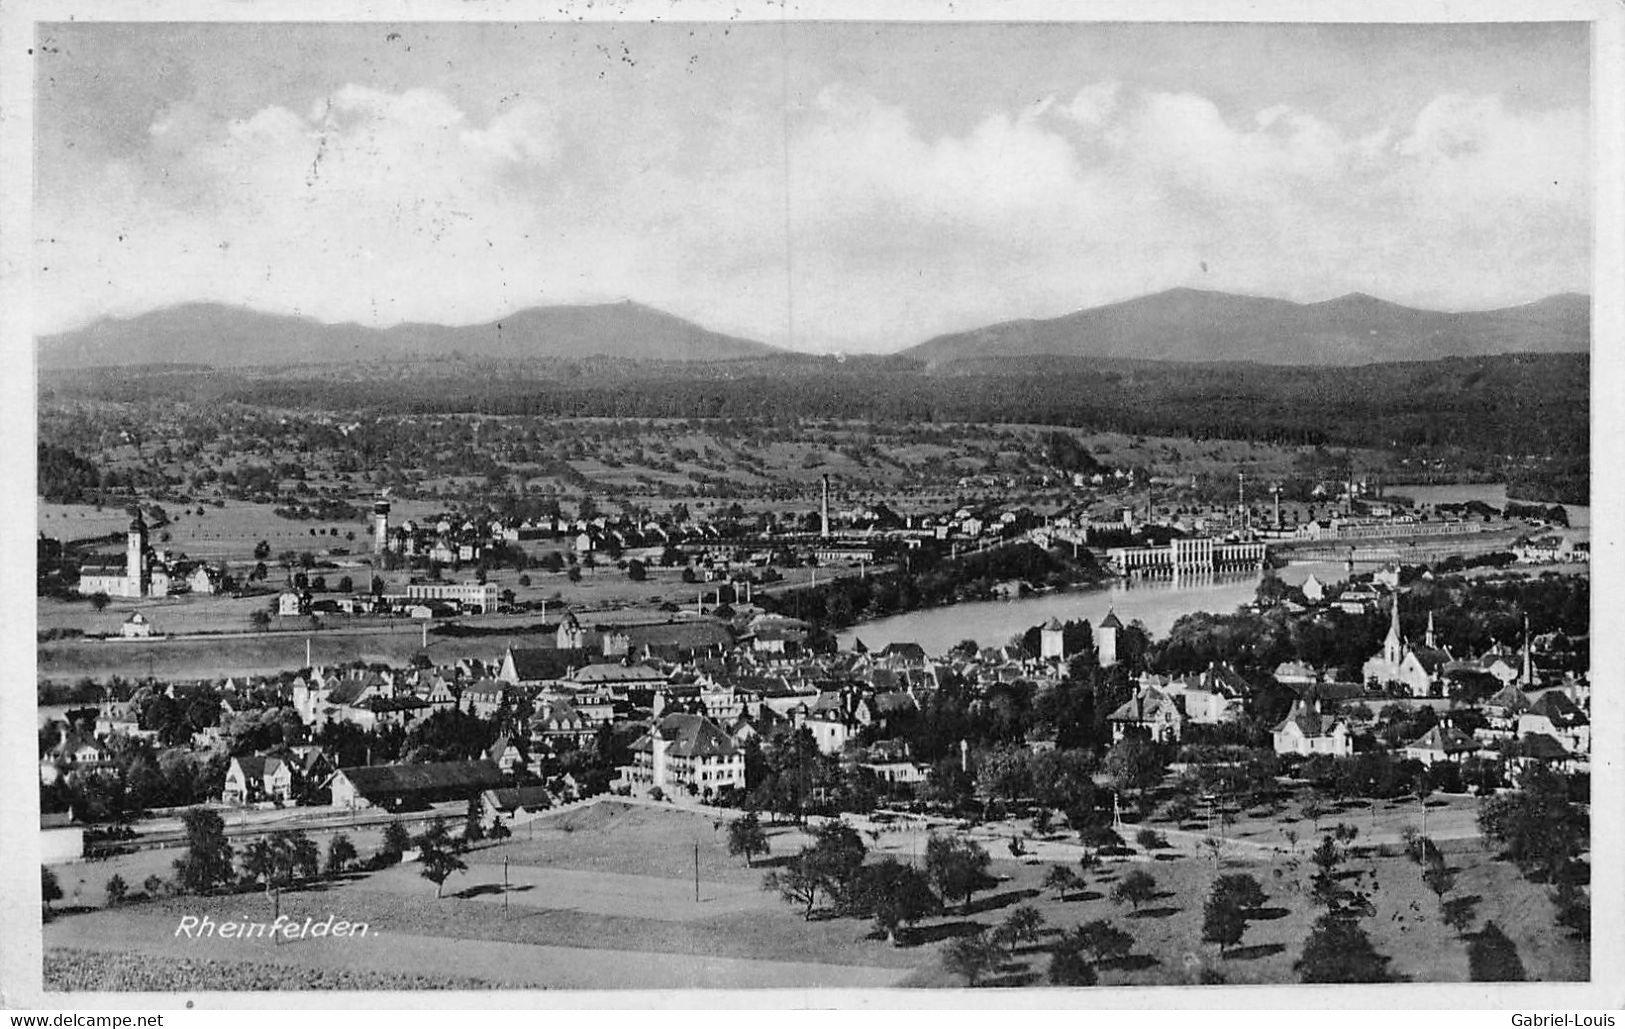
column 250, row 780
column 1441, row 743
column 483, row 698
column 514, row 803
column 685, row 751
column 1306, row 731
column 1554, row 714
column 75, row 754
column 1149, row 712
column 507, row 755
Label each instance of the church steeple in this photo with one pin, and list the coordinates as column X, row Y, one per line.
column 1528, row 678
column 1428, row 640
column 1393, row 648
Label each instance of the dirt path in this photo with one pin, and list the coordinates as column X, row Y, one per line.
column 516, row 965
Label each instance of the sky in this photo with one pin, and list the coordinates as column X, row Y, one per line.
column 823, row 186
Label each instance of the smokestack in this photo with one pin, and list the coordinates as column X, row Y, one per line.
column 964, row 757
column 823, row 510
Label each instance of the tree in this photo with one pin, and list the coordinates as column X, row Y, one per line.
column 1103, row 940
column 438, row 856
column 260, row 620
column 1136, row 764
column 835, row 858
column 340, row 852
column 636, row 571
column 1063, row 880
column 499, row 831
column 796, row 883
column 99, row 600
column 1023, row 925
column 396, row 840
column 894, row 894
column 745, row 836
column 1222, row 920
column 1493, row 958
column 49, row 888
column 262, row 550
column 1136, row 888
column 972, row 956
column 1067, row 966
column 117, row 890
column 207, row 862
column 1242, row 891
column 1150, row 839
column 957, row 866
column 1542, row 828
column 1439, row 878
column 1338, row 951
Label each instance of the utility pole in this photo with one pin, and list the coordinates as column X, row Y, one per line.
column 696, row 871
column 504, row 887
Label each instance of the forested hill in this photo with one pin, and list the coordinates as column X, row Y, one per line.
column 1199, row 325
column 236, row 337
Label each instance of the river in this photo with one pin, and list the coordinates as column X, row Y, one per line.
column 1156, row 603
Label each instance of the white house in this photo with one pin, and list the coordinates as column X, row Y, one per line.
column 1306, row 731
column 687, row 751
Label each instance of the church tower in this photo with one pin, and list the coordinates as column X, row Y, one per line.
column 1393, row 648
column 1528, row 677
column 1428, row 640
column 135, row 558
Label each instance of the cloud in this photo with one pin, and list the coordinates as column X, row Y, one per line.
column 378, row 206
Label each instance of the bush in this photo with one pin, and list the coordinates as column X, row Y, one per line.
column 117, row 891
column 1150, row 839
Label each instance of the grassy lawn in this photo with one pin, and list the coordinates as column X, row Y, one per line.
column 618, row 878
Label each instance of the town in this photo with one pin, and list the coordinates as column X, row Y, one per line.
column 1372, row 703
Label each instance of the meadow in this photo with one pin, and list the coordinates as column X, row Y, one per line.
column 604, row 897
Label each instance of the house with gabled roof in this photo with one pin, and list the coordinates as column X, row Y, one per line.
column 1305, row 731
column 530, row 666
column 252, row 779
column 1504, row 706
column 1150, row 712
column 1554, row 714
column 684, row 751
column 510, row 803
column 1441, row 743
column 506, row 753
column 75, row 754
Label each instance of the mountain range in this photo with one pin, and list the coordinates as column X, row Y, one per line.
column 216, row 334
column 1183, row 325
column 1197, row 325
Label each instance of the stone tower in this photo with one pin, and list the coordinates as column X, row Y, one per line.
column 380, row 525
column 135, row 558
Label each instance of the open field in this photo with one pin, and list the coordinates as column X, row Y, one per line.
column 603, row 897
